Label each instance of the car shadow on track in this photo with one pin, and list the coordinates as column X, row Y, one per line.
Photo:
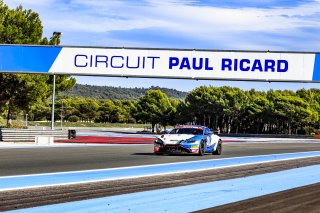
column 145, row 153
column 152, row 154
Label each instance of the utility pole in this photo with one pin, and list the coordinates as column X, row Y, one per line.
column 61, row 115
column 27, row 120
column 56, row 36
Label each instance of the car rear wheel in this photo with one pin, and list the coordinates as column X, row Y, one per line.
column 218, row 150
column 201, row 148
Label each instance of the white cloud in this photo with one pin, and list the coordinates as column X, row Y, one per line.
column 14, row 3
column 198, row 22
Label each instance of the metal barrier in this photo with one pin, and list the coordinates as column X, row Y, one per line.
column 28, row 135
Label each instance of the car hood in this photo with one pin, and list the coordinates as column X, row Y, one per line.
column 175, row 138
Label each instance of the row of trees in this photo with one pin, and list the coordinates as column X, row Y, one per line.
column 230, row 109
column 235, row 110
column 154, row 107
column 118, row 93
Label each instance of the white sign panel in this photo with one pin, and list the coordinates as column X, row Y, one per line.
column 162, row 63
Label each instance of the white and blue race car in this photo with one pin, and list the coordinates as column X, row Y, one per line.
column 191, row 139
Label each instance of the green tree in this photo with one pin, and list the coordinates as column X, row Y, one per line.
column 312, row 96
column 106, row 111
column 172, row 114
column 130, row 109
column 154, row 107
column 21, row 91
column 197, row 104
column 257, row 111
column 290, row 110
column 88, row 109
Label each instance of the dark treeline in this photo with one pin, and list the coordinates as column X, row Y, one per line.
column 231, row 109
column 238, row 111
column 118, row 93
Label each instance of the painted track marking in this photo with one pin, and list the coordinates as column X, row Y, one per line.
column 193, row 197
column 65, row 178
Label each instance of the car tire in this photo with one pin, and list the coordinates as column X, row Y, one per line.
column 218, row 150
column 201, row 148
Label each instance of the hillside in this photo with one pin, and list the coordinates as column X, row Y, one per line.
column 118, row 93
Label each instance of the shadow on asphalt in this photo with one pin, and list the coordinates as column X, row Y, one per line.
column 146, row 153
column 150, row 154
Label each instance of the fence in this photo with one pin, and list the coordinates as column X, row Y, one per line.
column 28, row 135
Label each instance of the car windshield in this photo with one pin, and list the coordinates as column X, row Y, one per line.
column 191, row 131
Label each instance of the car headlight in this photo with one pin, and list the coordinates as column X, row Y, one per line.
column 158, row 141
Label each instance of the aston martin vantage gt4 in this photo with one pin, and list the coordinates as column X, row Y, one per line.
column 189, row 139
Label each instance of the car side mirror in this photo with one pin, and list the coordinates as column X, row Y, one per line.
column 165, row 132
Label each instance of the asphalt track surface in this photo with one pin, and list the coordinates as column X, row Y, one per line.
column 22, row 161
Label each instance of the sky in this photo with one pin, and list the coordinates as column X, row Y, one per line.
column 276, row 25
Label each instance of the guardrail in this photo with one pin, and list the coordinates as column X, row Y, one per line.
column 265, row 135
column 28, row 135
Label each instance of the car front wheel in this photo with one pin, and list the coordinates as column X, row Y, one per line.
column 218, row 150
column 201, row 148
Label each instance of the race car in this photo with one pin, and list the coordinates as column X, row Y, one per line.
column 189, row 139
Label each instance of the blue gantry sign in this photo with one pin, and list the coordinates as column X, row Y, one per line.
column 161, row 63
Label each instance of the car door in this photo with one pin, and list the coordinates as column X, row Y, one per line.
column 207, row 137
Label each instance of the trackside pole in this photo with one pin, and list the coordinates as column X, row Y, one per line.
column 53, row 99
